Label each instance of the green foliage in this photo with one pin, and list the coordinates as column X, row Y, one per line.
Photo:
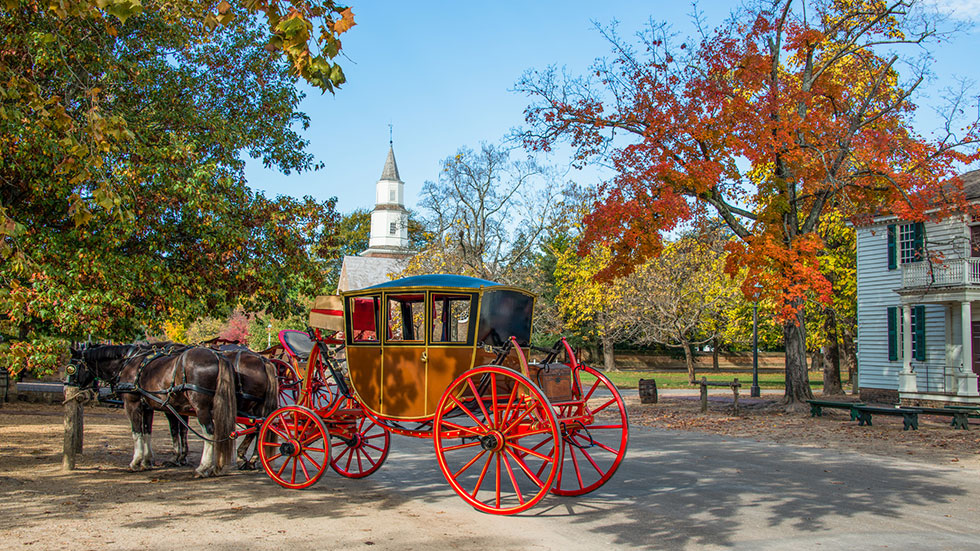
column 123, row 206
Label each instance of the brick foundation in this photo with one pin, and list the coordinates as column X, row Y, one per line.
column 879, row 395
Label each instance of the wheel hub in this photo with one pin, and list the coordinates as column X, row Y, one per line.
column 290, row 449
column 492, row 442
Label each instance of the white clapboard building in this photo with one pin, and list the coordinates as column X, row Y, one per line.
column 918, row 307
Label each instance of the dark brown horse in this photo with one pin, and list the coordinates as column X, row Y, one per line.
column 184, row 381
column 256, row 391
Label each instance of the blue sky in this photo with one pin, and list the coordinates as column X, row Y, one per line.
column 442, row 73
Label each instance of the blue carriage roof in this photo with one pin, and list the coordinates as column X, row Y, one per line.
column 437, row 280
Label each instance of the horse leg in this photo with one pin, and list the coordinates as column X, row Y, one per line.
column 134, row 409
column 247, row 463
column 178, row 436
column 183, row 448
column 207, row 467
column 147, row 463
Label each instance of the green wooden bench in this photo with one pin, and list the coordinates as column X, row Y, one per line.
column 910, row 416
column 816, row 407
column 960, row 415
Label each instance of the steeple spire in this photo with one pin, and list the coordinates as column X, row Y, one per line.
column 390, row 171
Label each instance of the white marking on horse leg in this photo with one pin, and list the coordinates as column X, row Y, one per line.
column 147, row 453
column 206, row 468
column 135, row 464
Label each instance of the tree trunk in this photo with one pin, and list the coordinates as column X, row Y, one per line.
column 714, row 353
column 689, row 360
column 797, row 380
column 850, row 360
column 608, row 354
column 831, row 358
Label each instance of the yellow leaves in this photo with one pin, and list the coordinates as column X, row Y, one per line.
column 343, row 24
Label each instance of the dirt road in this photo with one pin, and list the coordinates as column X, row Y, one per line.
column 677, row 490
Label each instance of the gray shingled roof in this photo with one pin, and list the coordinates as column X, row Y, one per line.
column 358, row 272
column 971, row 184
column 391, row 169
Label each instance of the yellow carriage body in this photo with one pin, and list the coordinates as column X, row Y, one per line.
column 408, row 339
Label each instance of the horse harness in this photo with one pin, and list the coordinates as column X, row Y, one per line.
column 135, row 388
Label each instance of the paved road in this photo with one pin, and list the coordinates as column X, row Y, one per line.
column 681, row 490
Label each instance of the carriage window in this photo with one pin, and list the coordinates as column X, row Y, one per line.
column 406, row 317
column 450, row 318
column 364, row 321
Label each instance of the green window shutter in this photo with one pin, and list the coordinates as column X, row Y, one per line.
column 920, row 333
column 892, row 247
column 892, row 333
column 918, row 235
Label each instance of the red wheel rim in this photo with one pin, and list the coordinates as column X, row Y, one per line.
column 490, row 449
column 362, row 451
column 294, row 447
column 593, row 451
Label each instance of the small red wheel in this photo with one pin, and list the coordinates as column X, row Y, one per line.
column 489, row 432
column 363, row 450
column 294, row 447
column 593, row 449
column 289, row 383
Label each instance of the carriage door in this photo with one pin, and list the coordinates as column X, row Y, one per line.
column 403, row 374
column 364, row 348
column 451, row 341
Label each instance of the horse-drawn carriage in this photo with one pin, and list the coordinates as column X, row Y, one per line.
column 446, row 358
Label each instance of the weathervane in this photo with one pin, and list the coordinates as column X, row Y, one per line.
column 390, row 142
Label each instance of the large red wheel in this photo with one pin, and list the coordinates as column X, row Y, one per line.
column 593, row 449
column 496, row 439
column 289, row 383
column 294, row 447
column 361, row 451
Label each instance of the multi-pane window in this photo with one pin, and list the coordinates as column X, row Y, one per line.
column 895, row 333
column 906, row 244
column 406, row 317
column 450, row 318
column 364, row 320
column 392, row 228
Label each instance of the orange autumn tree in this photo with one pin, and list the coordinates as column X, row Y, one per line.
column 785, row 111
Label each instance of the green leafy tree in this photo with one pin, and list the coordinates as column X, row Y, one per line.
column 123, row 200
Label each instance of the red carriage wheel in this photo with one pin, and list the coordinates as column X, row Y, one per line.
column 289, row 383
column 496, row 436
column 361, row 451
column 294, row 447
column 592, row 449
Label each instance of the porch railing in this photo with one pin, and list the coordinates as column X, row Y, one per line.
column 934, row 377
column 963, row 271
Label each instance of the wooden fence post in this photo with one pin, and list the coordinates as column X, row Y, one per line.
column 704, row 394
column 735, row 387
column 74, row 426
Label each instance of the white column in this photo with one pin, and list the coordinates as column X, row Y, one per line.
column 966, row 380
column 906, row 379
column 950, row 365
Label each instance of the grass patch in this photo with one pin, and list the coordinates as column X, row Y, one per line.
column 678, row 379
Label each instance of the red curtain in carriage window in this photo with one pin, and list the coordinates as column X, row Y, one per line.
column 364, row 322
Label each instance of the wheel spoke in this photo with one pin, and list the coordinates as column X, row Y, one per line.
column 510, row 402
column 470, row 414
column 578, row 473
column 470, row 430
column 483, row 473
column 493, row 397
column 604, row 427
column 275, row 429
column 510, row 474
column 604, row 406
column 518, row 420
column 292, row 480
column 469, row 464
column 461, row 446
column 498, row 480
column 283, row 467
column 532, row 452
column 315, row 464
column 479, row 400
column 536, row 478
column 595, row 385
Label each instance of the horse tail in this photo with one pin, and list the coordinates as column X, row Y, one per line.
column 224, row 411
column 272, row 389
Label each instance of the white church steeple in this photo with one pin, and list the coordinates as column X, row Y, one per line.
column 389, row 219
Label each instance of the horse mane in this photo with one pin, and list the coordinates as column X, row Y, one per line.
column 108, row 352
